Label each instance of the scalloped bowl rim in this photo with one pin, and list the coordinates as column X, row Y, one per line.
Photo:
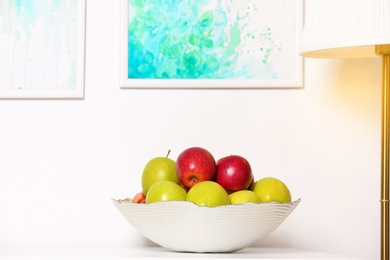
column 186, row 227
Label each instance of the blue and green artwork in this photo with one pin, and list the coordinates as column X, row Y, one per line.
column 39, row 44
column 210, row 39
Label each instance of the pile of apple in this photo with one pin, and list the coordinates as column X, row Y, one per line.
column 197, row 177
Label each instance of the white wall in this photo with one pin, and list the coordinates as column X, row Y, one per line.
column 61, row 161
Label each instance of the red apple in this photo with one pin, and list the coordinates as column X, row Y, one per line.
column 139, row 197
column 234, row 173
column 194, row 165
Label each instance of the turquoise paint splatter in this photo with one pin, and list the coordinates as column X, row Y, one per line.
column 186, row 39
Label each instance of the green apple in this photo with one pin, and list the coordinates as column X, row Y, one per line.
column 271, row 189
column 165, row 191
column 208, row 193
column 243, row 196
column 158, row 169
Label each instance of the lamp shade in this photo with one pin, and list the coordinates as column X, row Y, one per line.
column 345, row 28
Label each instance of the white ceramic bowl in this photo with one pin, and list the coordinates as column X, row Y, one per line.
column 185, row 227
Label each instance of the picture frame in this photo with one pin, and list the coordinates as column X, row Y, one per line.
column 233, row 44
column 42, row 45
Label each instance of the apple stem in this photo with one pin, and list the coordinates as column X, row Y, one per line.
column 169, row 151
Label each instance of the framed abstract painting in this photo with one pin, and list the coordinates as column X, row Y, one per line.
column 211, row 44
column 42, row 46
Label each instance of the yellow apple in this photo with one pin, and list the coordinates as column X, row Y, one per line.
column 271, row 189
column 208, row 193
column 165, row 191
column 158, row 169
column 243, row 196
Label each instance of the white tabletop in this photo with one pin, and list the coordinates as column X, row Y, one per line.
column 150, row 253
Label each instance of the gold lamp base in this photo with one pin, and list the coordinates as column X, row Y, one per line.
column 384, row 51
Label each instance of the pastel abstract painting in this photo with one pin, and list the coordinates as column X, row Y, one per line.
column 42, row 48
column 247, row 43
